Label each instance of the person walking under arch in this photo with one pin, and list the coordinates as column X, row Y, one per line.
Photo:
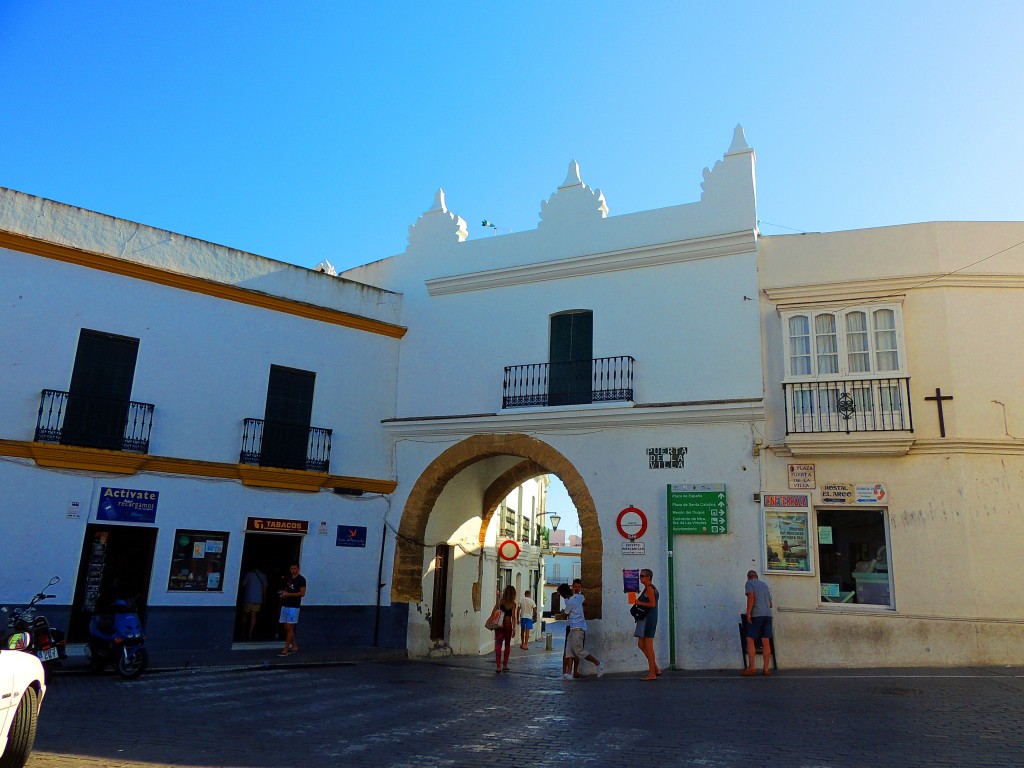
column 503, row 636
column 576, row 647
column 527, row 617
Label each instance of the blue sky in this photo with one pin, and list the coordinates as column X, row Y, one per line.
column 304, row 131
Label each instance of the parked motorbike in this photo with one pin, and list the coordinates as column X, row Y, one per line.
column 117, row 638
column 33, row 634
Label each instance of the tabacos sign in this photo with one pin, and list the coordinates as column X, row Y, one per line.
column 273, row 525
column 854, row 493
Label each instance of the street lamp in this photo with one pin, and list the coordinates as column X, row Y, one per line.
column 555, row 520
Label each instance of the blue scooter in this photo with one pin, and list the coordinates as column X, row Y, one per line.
column 117, row 638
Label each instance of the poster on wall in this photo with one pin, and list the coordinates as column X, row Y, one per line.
column 787, row 540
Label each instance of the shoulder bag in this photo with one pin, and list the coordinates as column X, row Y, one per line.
column 495, row 619
column 638, row 612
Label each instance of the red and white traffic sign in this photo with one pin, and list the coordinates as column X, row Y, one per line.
column 632, row 523
column 508, row 549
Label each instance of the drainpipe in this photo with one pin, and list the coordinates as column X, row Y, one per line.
column 380, row 586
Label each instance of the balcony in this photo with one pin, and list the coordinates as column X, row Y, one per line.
column 861, row 405
column 93, row 422
column 604, row 379
column 285, row 446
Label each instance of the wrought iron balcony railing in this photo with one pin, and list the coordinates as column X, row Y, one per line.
column 287, row 446
column 604, row 379
column 860, row 405
column 94, row 422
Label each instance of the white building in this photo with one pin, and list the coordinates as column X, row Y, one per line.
column 589, row 348
column 895, row 461
column 175, row 412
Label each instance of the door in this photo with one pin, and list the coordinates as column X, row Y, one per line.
column 439, row 607
column 117, row 561
column 570, row 356
column 100, row 391
column 287, row 417
column 270, row 554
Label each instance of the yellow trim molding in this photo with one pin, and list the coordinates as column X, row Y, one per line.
column 121, row 463
column 197, row 285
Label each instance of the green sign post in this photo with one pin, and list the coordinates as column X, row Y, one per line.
column 692, row 509
column 697, row 509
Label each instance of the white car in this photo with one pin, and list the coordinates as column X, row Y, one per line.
column 22, row 687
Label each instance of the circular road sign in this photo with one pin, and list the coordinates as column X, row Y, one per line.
column 508, row 549
column 632, row 523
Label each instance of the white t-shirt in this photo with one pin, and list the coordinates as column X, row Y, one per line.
column 527, row 607
column 574, row 608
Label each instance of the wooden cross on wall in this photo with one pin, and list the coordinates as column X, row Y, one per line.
column 939, row 397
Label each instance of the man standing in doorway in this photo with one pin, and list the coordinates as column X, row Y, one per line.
column 759, row 623
column 291, row 598
column 527, row 616
column 254, row 593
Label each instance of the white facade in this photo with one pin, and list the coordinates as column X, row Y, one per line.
column 209, row 323
column 898, row 316
column 710, row 357
column 671, row 288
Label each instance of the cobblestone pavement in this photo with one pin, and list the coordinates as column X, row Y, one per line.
column 458, row 712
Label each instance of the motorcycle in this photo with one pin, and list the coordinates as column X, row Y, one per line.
column 118, row 639
column 33, row 634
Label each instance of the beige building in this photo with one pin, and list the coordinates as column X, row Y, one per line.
column 893, row 489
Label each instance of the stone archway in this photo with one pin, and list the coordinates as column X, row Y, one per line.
column 540, row 458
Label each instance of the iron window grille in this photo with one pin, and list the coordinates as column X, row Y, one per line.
column 286, row 446
column 603, row 379
column 849, row 405
column 94, row 422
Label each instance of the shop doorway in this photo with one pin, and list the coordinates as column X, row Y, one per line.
column 270, row 554
column 117, row 561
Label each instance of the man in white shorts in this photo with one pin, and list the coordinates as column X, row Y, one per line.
column 575, row 645
column 291, row 599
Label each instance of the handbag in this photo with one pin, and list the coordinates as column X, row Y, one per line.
column 638, row 612
column 494, row 621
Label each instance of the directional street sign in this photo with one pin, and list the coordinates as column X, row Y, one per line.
column 697, row 509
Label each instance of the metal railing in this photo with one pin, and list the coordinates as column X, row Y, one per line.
column 603, row 379
column 287, row 446
column 93, row 422
column 849, row 405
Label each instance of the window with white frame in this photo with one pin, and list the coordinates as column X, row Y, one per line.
column 855, row 342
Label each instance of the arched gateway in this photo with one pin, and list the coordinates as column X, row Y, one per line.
column 538, row 458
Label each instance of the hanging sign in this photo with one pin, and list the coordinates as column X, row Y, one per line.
column 630, row 579
column 632, row 523
column 508, row 549
column 697, row 509
column 127, row 505
column 801, row 476
column 273, row 525
column 634, row 548
column 351, row 536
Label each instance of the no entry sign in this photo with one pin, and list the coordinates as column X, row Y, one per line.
column 508, row 550
column 632, row 523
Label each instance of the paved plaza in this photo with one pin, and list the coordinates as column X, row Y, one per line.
column 458, row 712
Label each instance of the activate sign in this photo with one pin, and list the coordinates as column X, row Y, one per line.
column 697, row 508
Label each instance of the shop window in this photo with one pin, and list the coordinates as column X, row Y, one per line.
column 197, row 564
column 853, row 557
